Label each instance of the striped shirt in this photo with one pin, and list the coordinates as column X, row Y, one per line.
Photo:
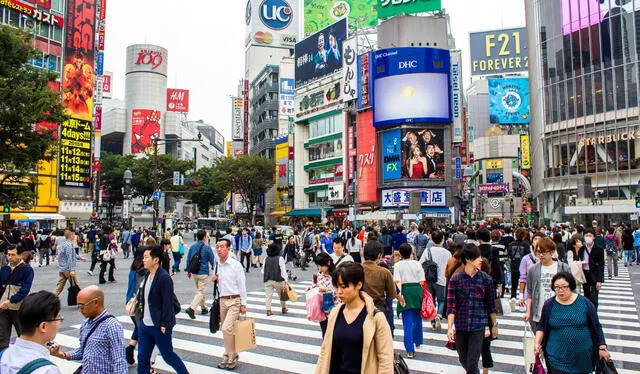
column 471, row 300
column 104, row 352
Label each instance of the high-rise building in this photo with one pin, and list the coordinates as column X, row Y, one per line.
column 585, row 134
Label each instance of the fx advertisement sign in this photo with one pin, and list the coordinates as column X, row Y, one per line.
column 145, row 128
column 509, row 101
column 320, row 54
column 391, row 155
column 400, row 197
column 456, row 95
column 177, row 100
column 319, row 14
column 411, row 85
column 286, row 96
column 499, row 52
column 349, row 81
column 390, row 8
column 237, row 130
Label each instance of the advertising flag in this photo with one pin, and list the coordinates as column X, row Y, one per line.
column 349, row 78
column 390, row 8
column 525, row 152
column 237, row 130
column 456, row 95
column 177, row 100
column 145, row 129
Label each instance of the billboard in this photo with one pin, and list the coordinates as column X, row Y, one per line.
column 525, row 152
column 218, row 141
column 411, row 85
column 282, row 169
column 509, row 101
column 391, row 155
column 349, row 79
column 287, row 91
column 147, row 58
column 145, row 128
column 320, row 54
column 107, row 85
column 456, row 95
column 272, row 23
column 318, row 101
column 423, row 154
column 494, row 188
column 499, row 52
column 400, row 197
column 319, row 14
column 367, row 158
column 177, row 100
column 364, row 81
column 237, row 118
column 390, row 8
column 37, row 13
column 75, row 153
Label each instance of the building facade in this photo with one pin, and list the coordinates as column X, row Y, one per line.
column 263, row 118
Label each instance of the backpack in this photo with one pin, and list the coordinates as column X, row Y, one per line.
column 194, row 265
column 610, row 245
column 308, row 241
column 516, row 253
column 430, row 269
column 46, row 242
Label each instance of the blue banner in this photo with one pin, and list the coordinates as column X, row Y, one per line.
column 458, row 168
column 509, row 101
column 391, row 155
column 100, row 64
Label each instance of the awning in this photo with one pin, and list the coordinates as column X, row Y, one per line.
column 436, row 212
column 314, row 212
column 277, row 213
column 45, row 216
column 17, row 216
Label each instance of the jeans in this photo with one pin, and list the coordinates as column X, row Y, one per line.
column 8, row 318
column 177, row 257
column 469, row 347
column 612, row 262
column 628, row 257
column 125, row 249
column 437, row 292
column 103, row 270
column 44, row 254
column 637, row 254
column 247, row 256
column 412, row 325
column 149, row 337
column 134, row 333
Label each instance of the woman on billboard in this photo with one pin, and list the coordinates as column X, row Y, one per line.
column 417, row 163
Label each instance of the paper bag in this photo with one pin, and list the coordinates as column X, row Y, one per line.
column 245, row 333
column 528, row 343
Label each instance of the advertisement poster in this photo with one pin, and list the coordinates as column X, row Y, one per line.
column 319, row 14
column 107, row 86
column 400, row 197
column 318, row 101
column 364, row 81
column 75, row 153
column 320, row 54
column 286, row 95
column 525, row 152
column 237, row 118
column 145, row 128
column 456, row 95
column 493, row 188
column 391, row 155
column 509, row 101
column 411, row 85
column 272, row 23
column 499, row 52
column 390, row 8
column 495, row 178
column 349, row 79
column 177, row 100
column 367, row 160
column 78, row 74
column 423, row 154
column 282, row 166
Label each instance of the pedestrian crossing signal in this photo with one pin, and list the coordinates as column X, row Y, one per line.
column 7, row 207
column 638, row 202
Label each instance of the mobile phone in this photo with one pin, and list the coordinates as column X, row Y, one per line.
column 50, row 344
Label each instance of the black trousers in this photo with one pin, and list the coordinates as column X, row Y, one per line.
column 487, row 360
column 515, row 282
column 356, row 257
column 590, row 290
column 469, row 347
column 307, row 254
column 94, row 260
column 323, row 327
column 8, row 319
column 103, row 270
column 247, row 256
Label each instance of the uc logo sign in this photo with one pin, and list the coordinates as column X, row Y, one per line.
column 276, row 14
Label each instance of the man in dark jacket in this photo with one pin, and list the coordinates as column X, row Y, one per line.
column 15, row 283
column 594, row 269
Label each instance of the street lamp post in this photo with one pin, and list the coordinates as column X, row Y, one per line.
column 126, row 213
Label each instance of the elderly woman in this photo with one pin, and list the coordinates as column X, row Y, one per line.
column 569, row 332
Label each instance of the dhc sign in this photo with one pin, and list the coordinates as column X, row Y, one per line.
column 276, row 14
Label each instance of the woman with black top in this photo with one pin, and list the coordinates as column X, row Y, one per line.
column 358, row 339
column 166, row 248
column 290, row 254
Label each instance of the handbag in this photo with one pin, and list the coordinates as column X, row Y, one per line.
column 328, row 301
column 528, row 345
column 214, row 313
column 284, row 295
column 606, row 367
column 74, row 289
column 314, row 306
column 244, row 330
column 399, row 366
column 130, row 307
column 181, row 248
column 577, row 272
column 538, row 368
column 428, row 310
column 503, row 307
column 291, row 292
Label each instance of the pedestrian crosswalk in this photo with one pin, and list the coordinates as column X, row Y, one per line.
column 291, row 344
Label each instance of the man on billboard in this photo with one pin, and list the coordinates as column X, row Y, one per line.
column 334, row 57
column 320, row 58
column 422, row 154
column 432, row 167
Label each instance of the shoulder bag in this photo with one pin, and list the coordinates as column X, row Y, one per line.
column 194, row 265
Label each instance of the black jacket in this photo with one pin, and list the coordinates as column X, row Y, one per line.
column 596, row 264
column 160, row 302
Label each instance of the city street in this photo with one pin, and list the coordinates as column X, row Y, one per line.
column 291, row 343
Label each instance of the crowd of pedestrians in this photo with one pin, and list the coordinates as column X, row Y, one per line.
column 366, row 276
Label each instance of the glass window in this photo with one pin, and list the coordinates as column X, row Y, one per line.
column 14, row 18
column 325, row 126
column 57, row 34
column 325, row 150
column 57, row 5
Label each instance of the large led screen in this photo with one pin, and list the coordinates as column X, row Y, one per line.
column 423, row 154
column 509, row 101
column 320, row 54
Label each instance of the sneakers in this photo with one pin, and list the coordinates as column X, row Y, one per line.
column 190, row 312
column 90, row 272
column 129, row 354
column 204, row 311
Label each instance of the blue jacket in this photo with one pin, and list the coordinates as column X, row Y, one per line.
column 160, row 302
column 206, row 258
column 20, row 285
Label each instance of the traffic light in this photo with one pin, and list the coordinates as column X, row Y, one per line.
column 193, row 182
column 7, row 207
column 638, row 202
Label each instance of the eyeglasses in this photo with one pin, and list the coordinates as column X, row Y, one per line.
column 82, row 306
column 561, row 288
column 61, row 318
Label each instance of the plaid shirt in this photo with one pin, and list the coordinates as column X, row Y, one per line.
column 471, row 300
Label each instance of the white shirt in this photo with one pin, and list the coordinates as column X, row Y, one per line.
column 546, row 274
column 408, row 271
column 22, row 352
column 146, row 318
column 356, row 247
column 232, row 280
column 440, row 256
column 346, row 258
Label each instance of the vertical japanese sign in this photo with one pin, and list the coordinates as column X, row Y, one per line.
column 391, row 155
column 525, row 152
column 367, row 165
column 458, row 163
column 364, row 81
column 286, row 96
column 177, row 100
column 237, row 130
column 349, row 79
column 456, row 95
column 75, row 153
column 145, row 128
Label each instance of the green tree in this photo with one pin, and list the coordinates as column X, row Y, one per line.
column 112, row 169
column 25, row 101
column 208, row 194
column 249, row 176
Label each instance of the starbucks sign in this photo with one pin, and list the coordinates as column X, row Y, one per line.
column 390, row 8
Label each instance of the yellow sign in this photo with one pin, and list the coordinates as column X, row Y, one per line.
column 228, row 148
column 493, row 164
column 525, row 152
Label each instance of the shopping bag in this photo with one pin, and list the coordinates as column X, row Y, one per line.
column 245, row 332
column 214, row 312
column 528, row 344
column 328, row 301
column 399, row 365
column 284, row 295
column 428, row 310
column 314, row 307
column 503, row 307
column 74, row 289
column 538, row 368
column 291, row 292
column 607, row 367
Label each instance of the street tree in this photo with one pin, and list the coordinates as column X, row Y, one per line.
column 29, row 116
column 208, row 194
column 249, row 176
column 112, row 169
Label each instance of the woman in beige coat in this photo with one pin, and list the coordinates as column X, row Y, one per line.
column 357, row 339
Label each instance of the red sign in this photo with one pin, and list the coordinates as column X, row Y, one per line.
column 339, row 171
column 96, row 165
column 106, row 86
column 97, row 125
column 36, row 13
column 367, row 160
column 145, row 128
column 149, row 57
column 102, row 15
column 44, row 4
column 177, row 100
column 364, row 81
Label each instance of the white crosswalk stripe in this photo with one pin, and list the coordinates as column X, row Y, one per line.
column 291, row 343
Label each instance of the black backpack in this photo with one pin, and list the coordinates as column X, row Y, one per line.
column 430, row 269
column 194, row 265
column 517, row 250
